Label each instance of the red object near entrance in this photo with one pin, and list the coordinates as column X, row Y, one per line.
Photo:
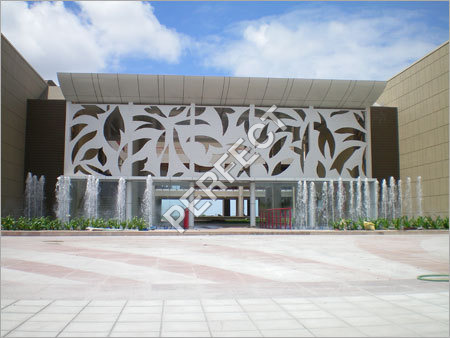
column 275, row 218
column 186, row 219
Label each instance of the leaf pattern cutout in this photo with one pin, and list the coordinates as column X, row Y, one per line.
column 139, row 144
column 151, row 122
column 361, row 120
column 354, row 173
column 90, row 154
column 161, row 140
column 279, row 169
column 339, row 112
column 99, row 171
column 320, row 169
column 80, row 168
column 86, row 138
column 364, row 161
column 179, row 150
column 325, row 136
column 154, row 110
column 223, row 112
column 176, row 111
column 340, row 160
column 207, row 141
column 199, row 111
column 356, row 134
column 89, row 110
column 277, row 146
column 246, row 170
column 113, row 126
column 76, row 129
column 301, row 113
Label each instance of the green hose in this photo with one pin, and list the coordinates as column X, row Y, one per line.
column 433, row 278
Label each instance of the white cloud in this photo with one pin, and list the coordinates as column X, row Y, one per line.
column 324, row 44
column 52, row 38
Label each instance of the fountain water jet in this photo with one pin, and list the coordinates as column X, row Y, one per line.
column 366, row 199
column 325, row 213
column 62, row 192
column 399, row 198
column 384, row 199
column 312, row 205
column 392, row 200
column 305, row 205
column 341, row 198
column 358, row 198
column 419, row 196
column 408, row 202
column 147, row 203
column 377, row 194
column 331, row 199
column 34, row 196
column 121, row 198
column 90, row 197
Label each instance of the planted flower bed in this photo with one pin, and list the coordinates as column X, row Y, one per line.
column 402, row 223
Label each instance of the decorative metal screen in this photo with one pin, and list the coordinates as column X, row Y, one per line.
column 185, row 141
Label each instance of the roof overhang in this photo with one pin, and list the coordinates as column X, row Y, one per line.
column 218, row 90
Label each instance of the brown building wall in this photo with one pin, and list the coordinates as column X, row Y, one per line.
column 384, row 142
column 19, row 83
column 44, row 151
column 421, row 94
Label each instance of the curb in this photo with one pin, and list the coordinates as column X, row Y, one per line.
column 210, row 232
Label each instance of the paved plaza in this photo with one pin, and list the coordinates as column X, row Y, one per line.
column 224, row 286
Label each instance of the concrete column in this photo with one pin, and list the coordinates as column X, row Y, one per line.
column 240, row 205
column 226, row 207
column 191, row 214
column 252, row 205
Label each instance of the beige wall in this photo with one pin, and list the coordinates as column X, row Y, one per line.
column 421, row 94
column 19, row 83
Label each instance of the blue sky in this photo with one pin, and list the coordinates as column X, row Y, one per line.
column 342, row 40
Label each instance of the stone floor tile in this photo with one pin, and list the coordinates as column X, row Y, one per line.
column 140, row 317
column 101, row 309
column 50, row 317
column 300, row 307
column 142, row 309
column 185, row 326
column 350, row 313
column 33, row 302
column 135, row 334
column 155, row 302
column 231, row 325
column 22, row 308
column 42, row 326
column 236, row 334
column 218, row 302
column 185, row 334
column 14, row 316
column 287, row 333
column 10, row 324
column 311, row 314
column 278, row 324
column 366, row 321
column 261, row 307
column 441, row 316
column 88, row 327
column 96, row 317
column 3, row 333
column 73, row 303
column 269, row 315
column 427, row 309
column 183, row 308
column 182, row 302
column 428, row 328
column 226, row 316
column 386, row 331
column 223, row 308
column 107, row 303
column 62, row 309
column 256, row 301
column 6, row 302
column 315, row 323
column 17, row 333
column 84, row 334
column 337, row 332
column 136, row 326
column 409, row 319
column 183, row 317
column 280, row 300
